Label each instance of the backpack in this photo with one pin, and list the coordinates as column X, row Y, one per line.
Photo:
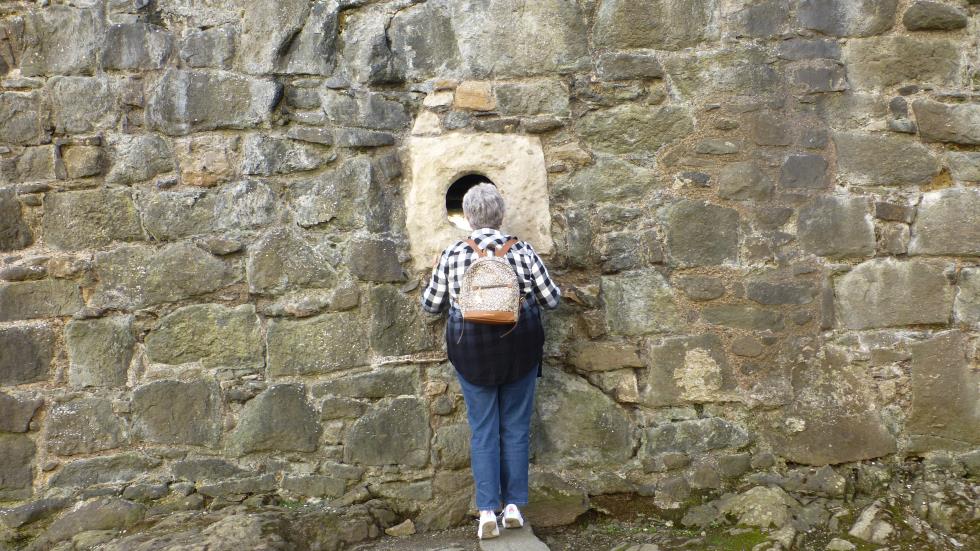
column 490, row 291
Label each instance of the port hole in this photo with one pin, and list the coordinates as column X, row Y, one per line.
column 454, row 198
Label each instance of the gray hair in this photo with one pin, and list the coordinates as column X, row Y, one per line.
column 483, row 206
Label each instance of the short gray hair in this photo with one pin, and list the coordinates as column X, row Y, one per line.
column 483, row 206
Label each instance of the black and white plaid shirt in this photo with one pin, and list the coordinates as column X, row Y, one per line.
column 447, row 274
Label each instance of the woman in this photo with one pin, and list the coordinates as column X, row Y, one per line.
column 497, row 365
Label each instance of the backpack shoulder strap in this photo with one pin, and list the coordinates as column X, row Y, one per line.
column 475, row 247
column 502, row 251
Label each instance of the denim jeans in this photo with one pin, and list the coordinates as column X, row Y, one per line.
column 500, row 426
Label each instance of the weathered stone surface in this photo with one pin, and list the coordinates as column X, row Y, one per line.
column 945, row 407
column 204, row 470
column 744, row 181
column 28, row 351
column 373, row 258
column 629, row 65
column 16, row 466
column 941, row 122
column 90, row 219
column 947, row 223
column 632, row 128
column 610, row 179
column 285, row 258
column 967, row 305
column 700, row 288
column 177, row 412
column 879, row 160
column 339, row 197
column 98, row 514
column 16, row 412
column 33, row 511
column 383, row 382
column 773, row 292
column 63, row 40
column 84, row 425
column 137, row 157
column 212, row 47
column 698, row 435
column 14, row 232
column 639, row 302
column 505, row 38
column 397, row 326
column 751, row 318
column 99, row 351
column 363, row 109
column 423, row 41
column 289, row 37
column 701, row 234
column 740, row 71
column 576, row 424
column 329, row 342
column 604, row 356
column 683, row 370
column 762, row 507
column 844, row 18
column 279, row 419
column 267, row 155
column 620, row 251
column 33, row 164
column 661, row 24
column 212, row 100
column 134, row 46
column 879, row 62
column 206, row 160
column 81, row 104
column 395, row 431
column 804, row 171
column 215, row 335
column 532, row 98
column 925, row 15
column 21, row 118
column 840, row 227
column 888, row 293
column 43, row 298
column 964, row 165
column 123, row 467
column 314, row 486
column 134, row 276
column 82, row 161
column 244, row 205
column 451, row 446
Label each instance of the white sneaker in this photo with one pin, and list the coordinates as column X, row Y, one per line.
column 488, row 526
column 512, row 517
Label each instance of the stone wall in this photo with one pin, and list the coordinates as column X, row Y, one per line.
column 766, row 223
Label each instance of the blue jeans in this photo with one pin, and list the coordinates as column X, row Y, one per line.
column 500, row 426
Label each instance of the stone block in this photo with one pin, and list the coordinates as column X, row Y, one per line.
column 880, row 62
column 743, row 71
column 340, row 197
column 839, row 227
column 280, row 419
column 363, row 109
column 744, row 181
column 28, row 351
column 135, row 276
column 16, row 466
column 394, row 431
column 44, row 298
column 211, row 47
column 700, row 288
column 397, row 325
column 620, row 251
column 604, row 356
column 530, row 98
column 99, row 351
column 804, row 172
column 893, row 293
column 82, row 161
column 322, row 344
column 123, row 467
column 639, row 302
column 102, row 514
column 267, row 155
column 211, row 100
column 630, row 128
column 683, row 370
column 659, row 24
column 213, row 334
column 844, row 18
column 285, row 258
column 880, row 160
column 178, row 412
column 964, row 165
column 61, row 40
column 575, row 424
column 380, row 383
column 22, row 118
column 763, row 19
column 629, row 66
column 14, row 232
column 701, row 234
column 206, row 160
column 314, row 486
column 609, row 179
column 749, row 318
column 16, row 412
column 137, row 157
column 947, row 223
column 34, row 164
column 697, row 435
column 925, row 15
column 967, row 305
column 945, row 406
column 451, row 446
column 942, row 122
column 243, row 205
column 289, row 37
column 423, row 41
column 373, row 258
column 84, row 425
column 136, row 46
column 90, row 219
column 81, row 104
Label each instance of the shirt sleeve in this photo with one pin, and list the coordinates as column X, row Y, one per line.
column 434, row 295
column 545, row 290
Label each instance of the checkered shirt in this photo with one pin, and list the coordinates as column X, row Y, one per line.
column 447, row 274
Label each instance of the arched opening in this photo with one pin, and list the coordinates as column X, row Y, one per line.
column 454, row 198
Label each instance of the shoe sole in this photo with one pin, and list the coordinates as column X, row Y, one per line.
column 489, row 530
column 513, row 523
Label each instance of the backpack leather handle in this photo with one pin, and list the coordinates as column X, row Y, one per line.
column 502, row 251
column 475, row 247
